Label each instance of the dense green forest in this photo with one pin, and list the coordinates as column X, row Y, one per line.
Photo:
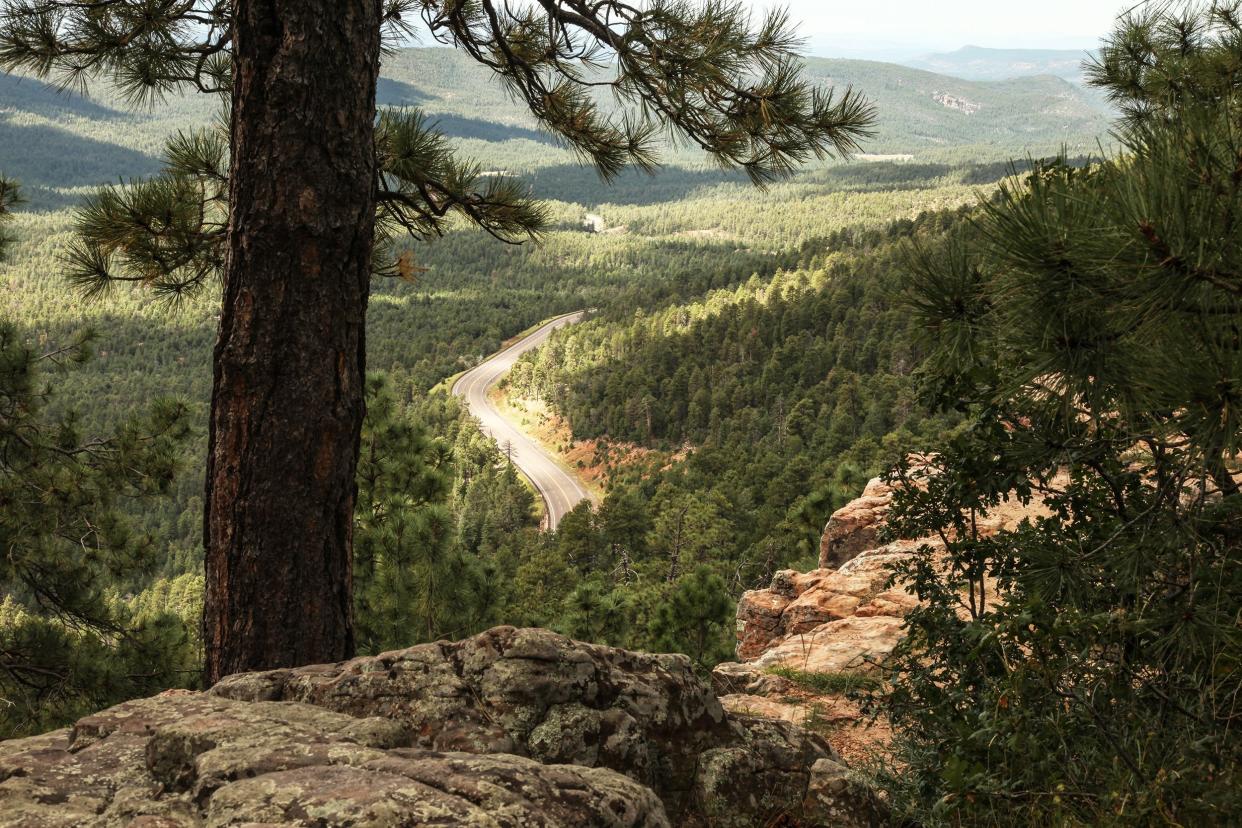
column 772, row 358
column 795, row 306
column 784, row 394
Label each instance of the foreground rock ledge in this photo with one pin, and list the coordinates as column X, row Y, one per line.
column 508, row 728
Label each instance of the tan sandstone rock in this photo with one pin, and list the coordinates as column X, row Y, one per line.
column 759, row 614
column 855, row 526
column 843, row 618
column 744, row 704
column 850, row 645
column 733, row 678
column 798, row 603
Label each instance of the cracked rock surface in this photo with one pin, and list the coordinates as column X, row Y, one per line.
column 191, row 759
column 513, row 727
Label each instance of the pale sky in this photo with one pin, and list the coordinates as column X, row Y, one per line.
column 904, row 29
column 923, row 25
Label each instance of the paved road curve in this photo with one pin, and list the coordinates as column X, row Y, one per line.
column 560, row 490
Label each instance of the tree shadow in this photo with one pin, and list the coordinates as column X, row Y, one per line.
column 457, row 126
column 389, row 92
column 33, row 95
column 582, row 185
column 46, row 156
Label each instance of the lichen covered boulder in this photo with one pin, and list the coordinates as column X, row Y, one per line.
column 835, row 797
column 533, row 693
column 192, row 759
column 511, row 727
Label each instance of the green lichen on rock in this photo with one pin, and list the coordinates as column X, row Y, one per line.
column 511, row 727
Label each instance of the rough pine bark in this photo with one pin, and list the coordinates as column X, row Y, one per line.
column 287, row 400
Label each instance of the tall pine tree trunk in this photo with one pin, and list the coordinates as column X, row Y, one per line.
column 287, row 402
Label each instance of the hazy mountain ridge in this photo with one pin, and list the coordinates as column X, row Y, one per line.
column 1013, row 115
column 55, row 140
column 981, row 63
column 919, row 110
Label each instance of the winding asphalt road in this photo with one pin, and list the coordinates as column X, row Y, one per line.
column 560, row 490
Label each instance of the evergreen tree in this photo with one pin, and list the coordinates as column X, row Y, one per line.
column 67, row 644
column 624, row 523
column 1084, row 668
column 411, row 581
column 542, row 580
column 599, row 613
column 10, row 197
column 311, row 183
column 688, row 530
column 578, row 539
column 696, row 619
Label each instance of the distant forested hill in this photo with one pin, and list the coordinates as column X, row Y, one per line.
column 57, row 142
column 921, row 111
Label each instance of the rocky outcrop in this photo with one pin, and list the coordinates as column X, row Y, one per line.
column 802, row 610
column 829, row 622
column 839, row 621
column 854, row 528
column 510, row 727
column 818, row 619
column 956, row 103
column 202, row 760
column 537, row 694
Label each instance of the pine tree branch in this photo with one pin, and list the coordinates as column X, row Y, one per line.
column 697, row 71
